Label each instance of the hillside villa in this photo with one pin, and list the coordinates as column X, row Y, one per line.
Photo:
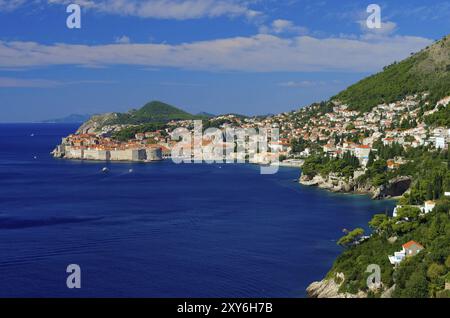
column 409, row 249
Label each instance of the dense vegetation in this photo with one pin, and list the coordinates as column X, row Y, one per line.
column 428, row 70
column 130, row 132
column 431, row 172
column 320, row 164
column 440, row 118
column 299, row 145
column 423, row 275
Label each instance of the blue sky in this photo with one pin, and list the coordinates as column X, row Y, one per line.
column 243, row 56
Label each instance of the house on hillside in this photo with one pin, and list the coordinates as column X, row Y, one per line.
column 412, row 248
column 424, row 209
column 428, row 207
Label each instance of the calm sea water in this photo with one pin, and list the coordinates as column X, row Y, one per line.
column 163, row 230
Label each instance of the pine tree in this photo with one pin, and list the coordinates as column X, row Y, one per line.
column 430, row 194
column 371, row 159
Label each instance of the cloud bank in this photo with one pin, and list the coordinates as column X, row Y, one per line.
column 10, row 5
column 167, row 9
column 258, row 53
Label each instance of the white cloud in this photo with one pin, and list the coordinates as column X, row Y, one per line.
column 302, row 83
column 17, row 82
column 167, row 9
column 10, row 5
column 283, row 26
column 12, row 82
column 123, row 39
column 280, row 26
column 387, row 28
column 261, row 53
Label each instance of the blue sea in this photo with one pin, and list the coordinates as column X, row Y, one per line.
column 161, row 230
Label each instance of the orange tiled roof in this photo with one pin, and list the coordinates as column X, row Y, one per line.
column 411, row 243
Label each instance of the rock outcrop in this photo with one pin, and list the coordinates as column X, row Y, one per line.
column 329, row 288
column 335, row 183
column 396, row 187
column 388, row 292
column 95, row 123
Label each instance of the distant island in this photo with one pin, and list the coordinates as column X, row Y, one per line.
column 70, row 119
column 387, row 135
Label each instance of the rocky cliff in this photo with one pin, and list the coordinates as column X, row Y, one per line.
column 335, row 183
column 329, row 288
column 95, row 123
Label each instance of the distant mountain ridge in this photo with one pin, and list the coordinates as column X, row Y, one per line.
column 205, row 114
column 73, row 118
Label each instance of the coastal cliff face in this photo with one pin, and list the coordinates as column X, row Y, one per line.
column 329, row 288
column 95, row 123
column 334, row 183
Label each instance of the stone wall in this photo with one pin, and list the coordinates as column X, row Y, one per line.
column 141, row 155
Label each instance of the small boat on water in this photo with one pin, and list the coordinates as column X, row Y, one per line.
column 105, row 170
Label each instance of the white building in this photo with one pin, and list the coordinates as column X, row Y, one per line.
column 409, row 249
column 440, row 142
column 362, row 152
column 428, row 207
column 425, row 209
column 397, row 258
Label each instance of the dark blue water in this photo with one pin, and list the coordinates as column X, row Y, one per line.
column 163, row 230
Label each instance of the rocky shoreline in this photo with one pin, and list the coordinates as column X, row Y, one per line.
column 396, row 187
column 329, row 288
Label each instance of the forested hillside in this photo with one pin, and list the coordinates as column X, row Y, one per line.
column 427, row 70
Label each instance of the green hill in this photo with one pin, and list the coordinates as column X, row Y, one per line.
column 160, row 110
column 153, row 112
column 427, row 70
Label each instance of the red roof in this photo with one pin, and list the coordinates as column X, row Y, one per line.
column 411, row 243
